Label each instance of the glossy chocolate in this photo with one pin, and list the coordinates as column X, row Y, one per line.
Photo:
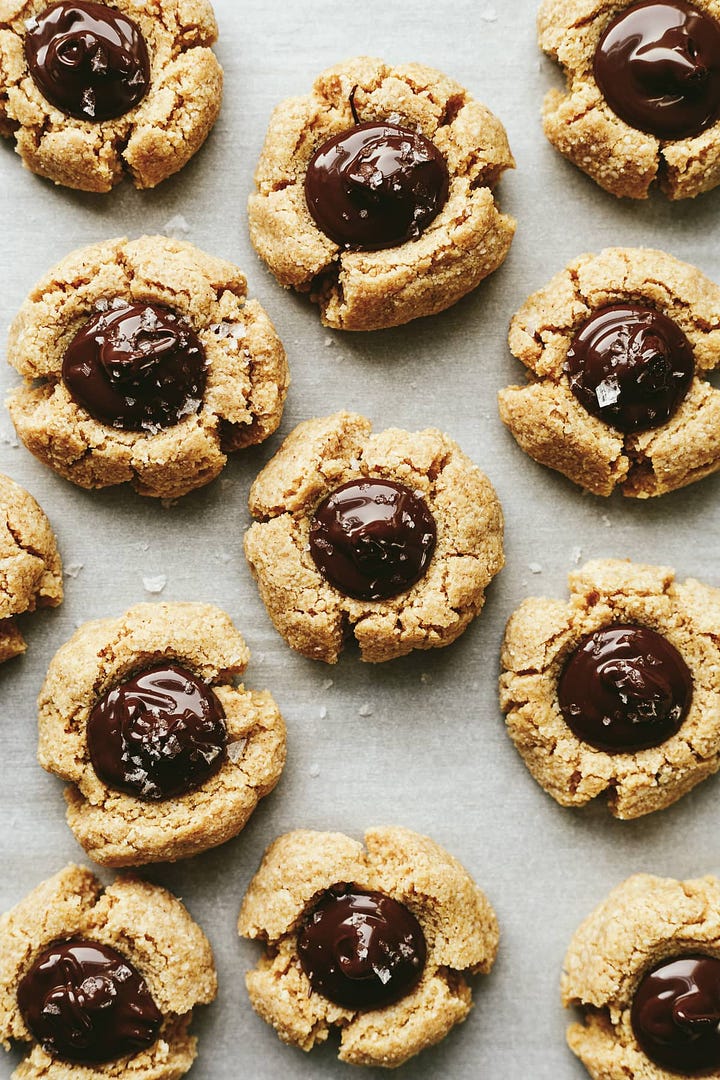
column 85, row 1003
column 658, row 68
column 376, row 186
column 136, row 366
column 372, row 539
column 158, row 735
column 88, row 60
column 631, row 366
column 676, row 1014
column 362, row 950
column 625, row 688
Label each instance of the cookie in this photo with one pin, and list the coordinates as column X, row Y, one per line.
column 165, row 756
column 94, row 92
column 102, row 981
column 144, row 363
column 617, row 690
column 31, row 567
column 390, row 539
column 644, row 969
column 642, row 102
column 374, row 194
column 408, row 920
column 618, row 346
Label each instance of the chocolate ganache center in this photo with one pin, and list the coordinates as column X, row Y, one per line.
column 85, row 1003
column 361, row 949
column 625, row 688
column 158, row 735
column 373, row 539
column 89, row 60
column 676, row 1014
column 376, row 186
column 658, row 68
column 631, row 366
column 137, row 366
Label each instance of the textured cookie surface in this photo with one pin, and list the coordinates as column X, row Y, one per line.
column 154, row 139
column 552, row 426
column 459, row 925
column 642, row 922
column 540, row 637
column 582, row 126
column 368, row 290
column 115, row 828
column 247, row 374
column 311, row 614
column 30, row 566
column 145, row 924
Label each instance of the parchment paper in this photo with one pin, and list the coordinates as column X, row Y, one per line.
column 420, row 741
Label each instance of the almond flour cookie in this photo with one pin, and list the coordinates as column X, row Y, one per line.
column 102, row 981
column 407, row 920
column 92, row 92
column 165, row 755
column 391, row 539
column 30, row 566
column 617, row 690
column 642, row 102
column 374, row 194
column 144, row 363
column 644, row 968
column 617, row 347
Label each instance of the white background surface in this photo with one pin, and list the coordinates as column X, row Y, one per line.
column 433, row 754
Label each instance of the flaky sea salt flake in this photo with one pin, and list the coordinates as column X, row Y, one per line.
column 607, row 392
column 235, row 750
column 177, row 225
column 155, row 584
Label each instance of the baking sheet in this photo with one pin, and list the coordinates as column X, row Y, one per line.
column 419, row 741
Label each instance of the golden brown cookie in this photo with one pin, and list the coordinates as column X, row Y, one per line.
column 150, row 929
column 457, row 922
column 644, row 924
column 622, row 157
column 316, row 617
column 155, row 138
column 552, row 425
column 371, row 289
column 542, row 637
column 29, row 561
column 126, row 817
column 245, row 368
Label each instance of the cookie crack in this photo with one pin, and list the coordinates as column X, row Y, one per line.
column 24, row 545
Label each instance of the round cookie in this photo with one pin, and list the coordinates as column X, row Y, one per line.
column 637, row 453
column 441, row 901
column 225, row 357
column 31, row 566
column 155, row 800
column 284, row 546
column 646, row 924
column 645, row 754
column 656, row 69
column 157, row 941
column 169, row 94
column 467, row 239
